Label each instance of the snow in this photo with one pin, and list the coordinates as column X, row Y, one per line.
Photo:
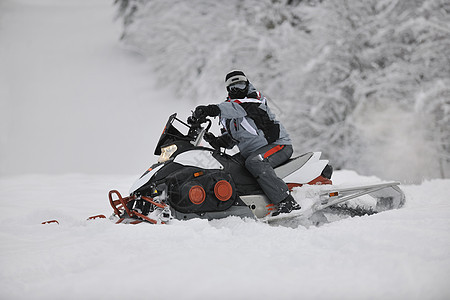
column 52, row 64
column 400, row 254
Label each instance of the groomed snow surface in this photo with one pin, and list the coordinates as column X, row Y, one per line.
column 399, row 254
column 65, row 89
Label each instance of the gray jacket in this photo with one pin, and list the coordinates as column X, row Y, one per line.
column 246, row 135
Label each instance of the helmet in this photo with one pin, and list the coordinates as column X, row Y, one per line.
column 237, row 84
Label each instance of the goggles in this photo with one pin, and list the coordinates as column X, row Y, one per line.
column 238, row 86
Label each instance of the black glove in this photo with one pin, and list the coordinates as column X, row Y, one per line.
column 203, row 111
column 212, row 140
column 209, row 137
column 223, row 141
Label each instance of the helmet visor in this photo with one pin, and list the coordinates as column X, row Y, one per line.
column 237, row 86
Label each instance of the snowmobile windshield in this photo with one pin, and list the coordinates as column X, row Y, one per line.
column 171, row 134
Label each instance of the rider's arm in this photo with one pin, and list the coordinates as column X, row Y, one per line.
column 231, row 110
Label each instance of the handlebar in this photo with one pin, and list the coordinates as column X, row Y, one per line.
column 194, row 122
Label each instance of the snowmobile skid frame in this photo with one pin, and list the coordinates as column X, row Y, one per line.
column 340, row 195
column 387, row 195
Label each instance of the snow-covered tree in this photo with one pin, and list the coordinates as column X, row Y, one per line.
column 342, row 74
column 193, row 44
column 374, row 58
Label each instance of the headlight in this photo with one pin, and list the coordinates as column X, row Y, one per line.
column 167, row 152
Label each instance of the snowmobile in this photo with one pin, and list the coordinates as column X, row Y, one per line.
column 193, row 181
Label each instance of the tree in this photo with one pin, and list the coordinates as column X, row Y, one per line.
column 342, row 74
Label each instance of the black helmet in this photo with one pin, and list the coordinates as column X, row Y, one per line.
column 237, row 84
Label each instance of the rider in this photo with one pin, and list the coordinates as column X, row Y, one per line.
column 262, row 140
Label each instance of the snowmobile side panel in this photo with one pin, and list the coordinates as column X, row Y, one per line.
column 144, row 179
column 198, row 158
column 195, row 190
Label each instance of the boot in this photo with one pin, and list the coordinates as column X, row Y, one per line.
column 286, row 206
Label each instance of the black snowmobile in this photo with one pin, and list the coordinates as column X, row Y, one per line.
column 192, row 181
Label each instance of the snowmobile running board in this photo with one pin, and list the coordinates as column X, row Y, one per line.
column 388, row 196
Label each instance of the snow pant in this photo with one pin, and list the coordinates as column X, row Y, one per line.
column 261, row 163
